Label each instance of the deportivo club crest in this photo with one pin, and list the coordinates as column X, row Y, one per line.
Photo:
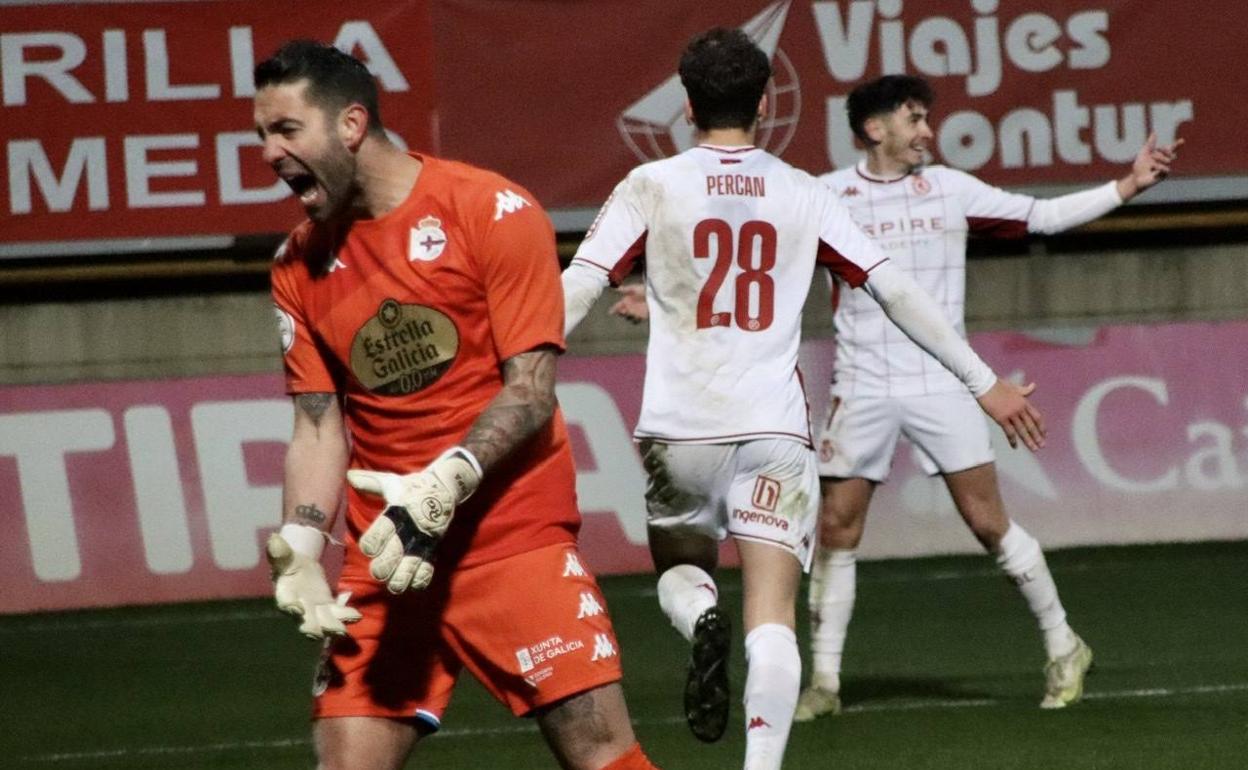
column 427, row 240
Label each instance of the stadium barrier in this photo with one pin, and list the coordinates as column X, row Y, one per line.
column 158, row 491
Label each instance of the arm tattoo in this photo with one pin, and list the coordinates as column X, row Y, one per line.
column 522, row 408
column 314, row 404
column 309, row 514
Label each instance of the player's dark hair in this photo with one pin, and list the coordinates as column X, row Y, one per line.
column 335, row 79
column 883, row 95
column 725, row 74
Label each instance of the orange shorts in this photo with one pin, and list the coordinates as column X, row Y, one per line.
column 533, row 628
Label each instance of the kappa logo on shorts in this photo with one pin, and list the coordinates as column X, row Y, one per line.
column 589, row 606
column 603, row 648
column 572, row 566
column 766, row 493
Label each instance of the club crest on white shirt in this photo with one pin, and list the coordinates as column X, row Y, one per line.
column 427, row 240
column 921, row 186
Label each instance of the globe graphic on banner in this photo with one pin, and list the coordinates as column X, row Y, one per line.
column 655, row 126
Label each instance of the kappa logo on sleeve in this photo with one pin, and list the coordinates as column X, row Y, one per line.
column 507, row 202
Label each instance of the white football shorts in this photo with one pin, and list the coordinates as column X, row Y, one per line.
column 949, row 432
column 766, row 491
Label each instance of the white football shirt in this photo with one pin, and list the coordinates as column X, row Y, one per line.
column 921, row 222
column 729, row 238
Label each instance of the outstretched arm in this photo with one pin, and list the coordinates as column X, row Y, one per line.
column 611, row 249
column 916, row 314
column 1152, row 164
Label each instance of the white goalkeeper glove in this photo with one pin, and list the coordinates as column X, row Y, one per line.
column 419, row 507
column 299, row 583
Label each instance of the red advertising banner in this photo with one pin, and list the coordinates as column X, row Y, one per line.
column 131, row 120
column 568, row 96
column 158, row 491
column 127, row 121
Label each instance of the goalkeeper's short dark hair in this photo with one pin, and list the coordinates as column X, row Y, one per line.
column 881, row 96
column 725, row 75
column 335, row 79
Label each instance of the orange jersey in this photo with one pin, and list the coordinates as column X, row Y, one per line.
column 409, row 317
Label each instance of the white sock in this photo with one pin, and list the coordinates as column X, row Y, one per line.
column 1019, row 555
column 833, row 579
column 685, row 592
column 772, row 681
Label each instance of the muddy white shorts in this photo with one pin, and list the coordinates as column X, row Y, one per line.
column 765, row 490
column 949, row 432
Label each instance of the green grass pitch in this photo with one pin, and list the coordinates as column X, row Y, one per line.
column 943, row 670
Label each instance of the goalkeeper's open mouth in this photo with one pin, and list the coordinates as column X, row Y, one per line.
column 306, row 187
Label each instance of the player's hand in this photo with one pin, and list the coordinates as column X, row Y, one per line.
column 632, row 303
column 299, row 584
column 419, row 508
column 1007, row 404
column 1152, row 164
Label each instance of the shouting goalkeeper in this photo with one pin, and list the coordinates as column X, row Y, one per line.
column 421, row 315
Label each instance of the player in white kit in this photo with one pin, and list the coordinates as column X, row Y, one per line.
column 729, row 237
column 885, row 386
